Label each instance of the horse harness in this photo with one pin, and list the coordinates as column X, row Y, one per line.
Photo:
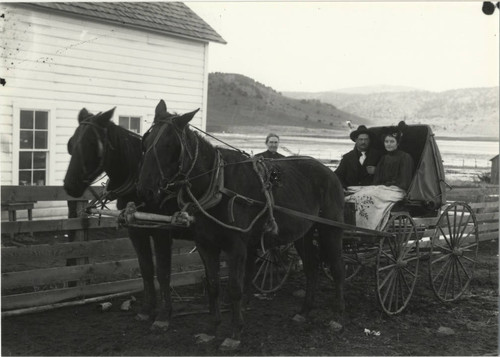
column 179, row 185
column 103, row 147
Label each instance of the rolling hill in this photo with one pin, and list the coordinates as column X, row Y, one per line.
column 240, row 104
column 459, row 112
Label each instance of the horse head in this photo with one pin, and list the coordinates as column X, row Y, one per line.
column 87, row 148
column 168, row 154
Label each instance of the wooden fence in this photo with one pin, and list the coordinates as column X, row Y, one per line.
column 79, row 267
column 41, row 275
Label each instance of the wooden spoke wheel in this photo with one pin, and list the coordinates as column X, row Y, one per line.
column 453, row 252
column 273, row 267
column 352, row 263
column 397, row 264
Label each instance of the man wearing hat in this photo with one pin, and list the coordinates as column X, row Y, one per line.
column 358, row 166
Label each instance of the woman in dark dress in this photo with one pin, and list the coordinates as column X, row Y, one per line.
column 272, row 143
column 391, row 181
column 396, row 167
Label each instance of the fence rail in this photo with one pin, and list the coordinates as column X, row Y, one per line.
column 38, row 275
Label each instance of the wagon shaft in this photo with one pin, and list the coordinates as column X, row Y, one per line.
column 130, row 217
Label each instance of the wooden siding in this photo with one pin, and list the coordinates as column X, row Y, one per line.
column 67, row 63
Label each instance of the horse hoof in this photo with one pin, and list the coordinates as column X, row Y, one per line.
column 160, row 326
column 335, row 326
column 141, row 317
column 229, row 344
column 299, row 318
column 203, row 338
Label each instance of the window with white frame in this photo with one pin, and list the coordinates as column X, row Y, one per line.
column 33, row 147
column 130, row 123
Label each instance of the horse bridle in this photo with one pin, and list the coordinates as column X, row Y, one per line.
column 170, row 186
column 102, row 148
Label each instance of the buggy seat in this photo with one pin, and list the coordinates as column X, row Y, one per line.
column 426, row 193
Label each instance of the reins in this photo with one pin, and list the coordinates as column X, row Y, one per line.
column 221, row 141
column 212, row 196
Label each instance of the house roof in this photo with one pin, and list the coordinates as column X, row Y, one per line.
column 174, row 18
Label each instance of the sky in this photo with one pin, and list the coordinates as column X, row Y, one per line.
column 321, row 46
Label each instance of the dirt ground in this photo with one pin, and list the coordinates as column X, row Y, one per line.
column 269, row 330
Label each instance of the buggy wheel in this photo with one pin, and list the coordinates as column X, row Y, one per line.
column 453, row 252
column 397, row 264
column 273, row 267
column 352, row 263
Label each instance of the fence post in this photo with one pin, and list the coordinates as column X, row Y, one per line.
column 76, row 209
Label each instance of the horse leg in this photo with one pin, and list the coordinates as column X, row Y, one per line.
column 142, row 245
column 331, row 243
column 211, row 260
column 249, row 275
column 237, row 257
column 163, row 252
column 310, row 262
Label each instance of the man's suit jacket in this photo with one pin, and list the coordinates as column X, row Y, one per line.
column 352, row 173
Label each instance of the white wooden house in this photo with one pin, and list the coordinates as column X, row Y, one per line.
column 60, row 57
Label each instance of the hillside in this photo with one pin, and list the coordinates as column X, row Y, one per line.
column 460, row 112
column 240, row 104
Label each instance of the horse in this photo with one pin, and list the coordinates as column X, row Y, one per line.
column 182, row 170
column 98, row 145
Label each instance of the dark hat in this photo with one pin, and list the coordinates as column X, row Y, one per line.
column 393, row 131
column 360, row 130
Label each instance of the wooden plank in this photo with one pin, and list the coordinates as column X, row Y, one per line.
column 480, row 217
column 482, row 237
column 484, row 227
column 473, row 191
column 483, row 205
column 37, row 309
column 76, row 209
column 69, row 224
column 42, row 193
column 98, row 271
column 484, row 217
column 51, row 255
column 47, row 297
column 425, row 222
column 113, row 270
column 488, row 236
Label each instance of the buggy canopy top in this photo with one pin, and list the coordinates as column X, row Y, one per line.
column 427, row 186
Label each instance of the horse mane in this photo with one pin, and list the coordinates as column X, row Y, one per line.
column 127, row 146
column 204, row 143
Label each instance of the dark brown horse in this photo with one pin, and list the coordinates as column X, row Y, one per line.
column 98, row 145
column 179, row 170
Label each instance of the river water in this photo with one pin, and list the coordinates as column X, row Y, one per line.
column 466, row 158
column 454, row 152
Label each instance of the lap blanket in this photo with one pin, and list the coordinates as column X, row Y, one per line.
column 373, row 204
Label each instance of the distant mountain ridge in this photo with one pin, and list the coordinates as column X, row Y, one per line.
column 239, row 104
column 381, row 88
column 459, row 112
